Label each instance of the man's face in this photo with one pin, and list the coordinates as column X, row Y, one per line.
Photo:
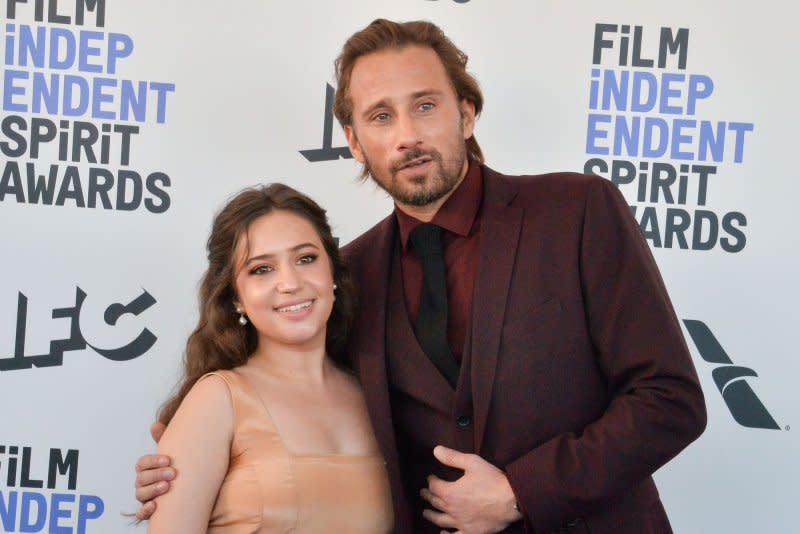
column 408, row 127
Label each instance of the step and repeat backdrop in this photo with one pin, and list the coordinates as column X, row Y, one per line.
column 127, row 123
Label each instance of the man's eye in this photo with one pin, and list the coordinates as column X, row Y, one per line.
column 426, row 106
column 307, row 259
column 381, row 117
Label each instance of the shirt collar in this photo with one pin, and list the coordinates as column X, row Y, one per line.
column 457, row 214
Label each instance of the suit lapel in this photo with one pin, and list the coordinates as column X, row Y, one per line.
column 501, row 223
column 369, row 333
column 368, row 349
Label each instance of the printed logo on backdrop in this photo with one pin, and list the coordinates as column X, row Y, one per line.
column 71, row 116
column 327, row 152
column 126, row 349
column 647, row 133
column 744, row 405
column 39, row 491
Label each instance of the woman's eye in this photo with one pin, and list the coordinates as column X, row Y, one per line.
column 262, row 269
column 307, row 259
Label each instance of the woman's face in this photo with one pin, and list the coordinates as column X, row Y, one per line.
column 284, row 281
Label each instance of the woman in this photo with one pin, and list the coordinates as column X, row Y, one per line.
column 268, row 432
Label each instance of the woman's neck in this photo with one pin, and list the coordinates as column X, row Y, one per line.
column 301, row 364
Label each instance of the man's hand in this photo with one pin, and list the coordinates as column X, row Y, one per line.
column 153, row 474
column 480, row 502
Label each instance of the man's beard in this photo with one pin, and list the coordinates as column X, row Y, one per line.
column 428, row 189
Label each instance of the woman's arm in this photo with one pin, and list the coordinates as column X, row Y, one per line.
column 198, row 440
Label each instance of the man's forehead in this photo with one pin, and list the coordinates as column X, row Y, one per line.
column 397, row 72
column 393, row 55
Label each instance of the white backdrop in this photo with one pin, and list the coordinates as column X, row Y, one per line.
column 241, row 89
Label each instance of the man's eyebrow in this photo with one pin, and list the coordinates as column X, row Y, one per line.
column 270, row 255
column 377, row 105
column 426, row 92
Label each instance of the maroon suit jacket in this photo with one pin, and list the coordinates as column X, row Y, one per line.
column 582, row 384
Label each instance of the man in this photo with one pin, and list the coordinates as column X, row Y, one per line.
column 561, row 380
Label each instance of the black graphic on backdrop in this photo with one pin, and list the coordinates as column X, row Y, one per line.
column 745, row 406
column 76, row 341
column 328, row 152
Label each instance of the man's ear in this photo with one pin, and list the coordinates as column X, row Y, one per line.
column 467, row 117
column 352, row 142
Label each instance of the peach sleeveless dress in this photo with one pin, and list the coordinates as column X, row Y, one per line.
column 269, row 490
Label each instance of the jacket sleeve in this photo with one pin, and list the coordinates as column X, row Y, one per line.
column 656, row 405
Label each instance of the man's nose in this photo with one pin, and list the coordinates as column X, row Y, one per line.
column 408, row 132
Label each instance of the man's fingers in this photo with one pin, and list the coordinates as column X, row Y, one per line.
column 152, row 461
column 157, row 430
column 145, row 511
column 437, row 486
column 435, row 501
column 151, row 476
column 440, row 519
column 452, row 457
column 148, row 492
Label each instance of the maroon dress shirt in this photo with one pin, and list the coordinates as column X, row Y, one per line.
column 460, row 217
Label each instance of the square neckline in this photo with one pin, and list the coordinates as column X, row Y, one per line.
column 300, row 455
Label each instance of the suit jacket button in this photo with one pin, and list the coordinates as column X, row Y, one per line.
column 464, row 421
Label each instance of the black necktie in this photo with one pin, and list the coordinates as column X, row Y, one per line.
column 431, row 324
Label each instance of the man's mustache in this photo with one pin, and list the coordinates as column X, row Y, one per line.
column 413, row 154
